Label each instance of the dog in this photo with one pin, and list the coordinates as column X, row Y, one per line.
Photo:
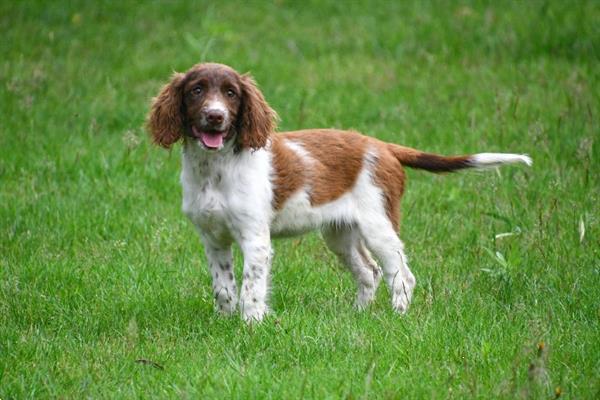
column 243, row 182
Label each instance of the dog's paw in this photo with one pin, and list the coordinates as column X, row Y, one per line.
column 400, row 305
column 364, row 298
column 225, row 309
column 253, row 311
column 401, row 299
column 225, row 302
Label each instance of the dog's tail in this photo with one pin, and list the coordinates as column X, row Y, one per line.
column 438, row 164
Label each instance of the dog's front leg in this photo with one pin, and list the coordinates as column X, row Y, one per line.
column 257, row 252
column 220, row 264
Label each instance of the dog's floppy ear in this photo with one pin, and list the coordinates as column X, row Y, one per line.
column 165, row 121
column 257, row 120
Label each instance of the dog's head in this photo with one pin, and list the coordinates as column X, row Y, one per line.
column 213, row 105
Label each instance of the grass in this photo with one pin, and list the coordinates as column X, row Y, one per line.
column 99, row 268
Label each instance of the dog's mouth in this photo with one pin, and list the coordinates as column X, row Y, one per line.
column 211, row 138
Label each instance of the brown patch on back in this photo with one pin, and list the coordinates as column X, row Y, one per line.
column 390, row 177
column 337, row 160
column 290, row 172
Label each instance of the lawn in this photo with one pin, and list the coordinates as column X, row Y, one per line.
column 104, row 290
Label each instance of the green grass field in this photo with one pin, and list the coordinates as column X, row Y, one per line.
column 100, row 269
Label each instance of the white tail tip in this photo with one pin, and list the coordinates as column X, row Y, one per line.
column 487, row 160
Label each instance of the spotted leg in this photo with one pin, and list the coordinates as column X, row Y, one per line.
column 257, row 267
column 224, row 287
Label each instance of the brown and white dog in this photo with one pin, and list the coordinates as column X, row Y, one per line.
column 243, row 182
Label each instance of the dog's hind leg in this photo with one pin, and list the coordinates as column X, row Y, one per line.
column 346, row 243
column 382, row 240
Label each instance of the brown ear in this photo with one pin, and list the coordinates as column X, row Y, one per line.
column 257, row 119
column 165, row 121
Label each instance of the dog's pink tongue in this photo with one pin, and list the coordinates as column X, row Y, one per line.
column 212, row 140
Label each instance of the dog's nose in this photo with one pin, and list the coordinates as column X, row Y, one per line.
column 215, row 116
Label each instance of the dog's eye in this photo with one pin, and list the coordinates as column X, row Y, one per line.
column 230, row 93
column 197, row 90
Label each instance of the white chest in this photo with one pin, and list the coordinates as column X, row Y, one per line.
column 224, row 195
column 205, row 202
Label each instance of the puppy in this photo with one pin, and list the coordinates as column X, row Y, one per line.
column 244, row 183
